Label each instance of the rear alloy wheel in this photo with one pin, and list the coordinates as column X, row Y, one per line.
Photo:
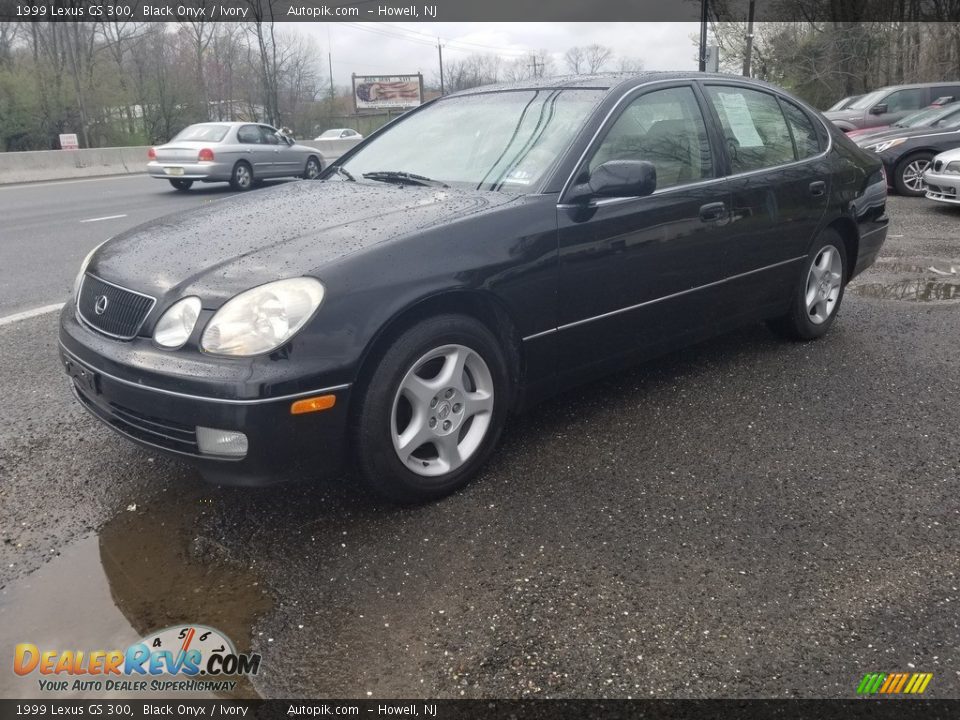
column 817, row 298
column 432, row 410
column 908, row 176
column 182, row 184
column 242, row 177
column 312, row 170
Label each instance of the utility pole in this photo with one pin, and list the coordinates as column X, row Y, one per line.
column 747, row 55
column 440, row 53
column 534, row 65
column 703, row 36
column 333, row 93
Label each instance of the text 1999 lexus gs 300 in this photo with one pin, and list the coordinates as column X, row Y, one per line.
column 472, row 257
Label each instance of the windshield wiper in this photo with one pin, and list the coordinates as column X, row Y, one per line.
column 343, row 172
column 403, row 177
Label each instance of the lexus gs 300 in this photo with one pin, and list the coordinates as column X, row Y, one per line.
column 473, row 257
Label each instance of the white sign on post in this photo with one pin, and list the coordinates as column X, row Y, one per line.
column 69, row 141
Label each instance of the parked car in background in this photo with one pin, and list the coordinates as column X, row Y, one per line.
column 942, row 178
column 887, row 105
column 907, row 153
column 934, row 116
column 478, row 254
column 338, row 134
column 240, row 153
column 844, row 103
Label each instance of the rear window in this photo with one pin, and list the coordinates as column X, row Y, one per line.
column 206, row 132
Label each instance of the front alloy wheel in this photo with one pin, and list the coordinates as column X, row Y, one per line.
column 429, row 413
column 908, row 177
column 312, row 170
column 442, row 410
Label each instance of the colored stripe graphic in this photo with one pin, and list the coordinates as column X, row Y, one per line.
column 894, row 683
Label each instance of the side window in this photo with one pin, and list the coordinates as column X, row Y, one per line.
column 249, row 135
column 753, row 126
column 666, row 128
column 946, row 91
column 905, row 100
column 269, row 136
column 804, row 136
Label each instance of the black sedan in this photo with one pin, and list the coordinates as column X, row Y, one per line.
column 471, row 258
column 907, row 152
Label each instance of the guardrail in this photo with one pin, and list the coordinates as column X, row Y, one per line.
column 39, row 165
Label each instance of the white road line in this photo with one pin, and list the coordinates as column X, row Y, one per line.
column 27, row 314
column 106, row 217
column 45, row 183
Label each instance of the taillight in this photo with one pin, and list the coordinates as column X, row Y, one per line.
column 206, row 155
column 151, row 154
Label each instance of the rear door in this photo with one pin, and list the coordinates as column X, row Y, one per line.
column 779, row 183
column 641, row 273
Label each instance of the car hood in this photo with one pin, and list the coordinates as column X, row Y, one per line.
column 234, row 244
column 949, row 155
column 843, row 114
column 897, row 133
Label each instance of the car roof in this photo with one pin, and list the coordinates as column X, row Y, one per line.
column 611, row 81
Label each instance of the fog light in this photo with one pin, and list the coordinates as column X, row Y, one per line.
column 221, row 442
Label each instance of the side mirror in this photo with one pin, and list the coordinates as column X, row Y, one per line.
column 623, row 178
column 878, row 109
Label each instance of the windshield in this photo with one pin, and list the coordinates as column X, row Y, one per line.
column 842, row 104
column 505, row 140
column 331, row 134
column 207, row 132
column 920, row 118
column 868, row 100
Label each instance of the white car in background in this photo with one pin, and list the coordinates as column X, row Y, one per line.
column 338, row 134
column 942, row 178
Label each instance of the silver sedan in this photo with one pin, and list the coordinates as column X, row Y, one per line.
column 240, row 153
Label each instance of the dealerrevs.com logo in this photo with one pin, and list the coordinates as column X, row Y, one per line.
column 185, row 658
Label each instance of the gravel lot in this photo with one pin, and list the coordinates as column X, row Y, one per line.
column 746, row 518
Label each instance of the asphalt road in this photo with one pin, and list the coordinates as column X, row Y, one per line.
column 48, row 228
column 745, row 518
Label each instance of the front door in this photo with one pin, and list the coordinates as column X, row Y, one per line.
column 640, row 273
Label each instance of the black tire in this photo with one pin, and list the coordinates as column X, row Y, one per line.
column 313, row 168
column 182, row 185
column 372, row 426
column 241, row 178
column 797, row 323
column 905, row 185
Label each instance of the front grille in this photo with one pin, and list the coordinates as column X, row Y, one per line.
column 111, row 309
column 145, row 428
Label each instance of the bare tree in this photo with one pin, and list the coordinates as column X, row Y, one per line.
column 574, row 58
column 596, row 56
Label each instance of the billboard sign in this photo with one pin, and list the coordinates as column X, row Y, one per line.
column 387, row 92
column 69, row 142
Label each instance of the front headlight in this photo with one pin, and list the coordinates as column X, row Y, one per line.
column 174, row 328
column 953, row 167
column 262, row 319
column 83, row 267
column 886, row 145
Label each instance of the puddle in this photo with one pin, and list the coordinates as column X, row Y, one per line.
column 910, row 280
column 144, row 571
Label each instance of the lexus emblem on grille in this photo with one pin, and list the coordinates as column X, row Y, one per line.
column 100, row 304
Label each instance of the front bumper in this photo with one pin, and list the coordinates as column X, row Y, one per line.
column 942, row 187
column 130, row 400
column 202, row 171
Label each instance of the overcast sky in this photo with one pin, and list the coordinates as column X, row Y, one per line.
column 400, row 48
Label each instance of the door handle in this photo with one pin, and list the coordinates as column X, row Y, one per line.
column 818, row 188
column 713, row 212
